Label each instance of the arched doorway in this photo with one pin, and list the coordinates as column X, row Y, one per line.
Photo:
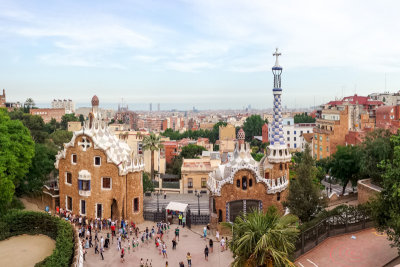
column 114, row 210
column 238, row 207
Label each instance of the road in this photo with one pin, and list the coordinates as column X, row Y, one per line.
column 338, row 188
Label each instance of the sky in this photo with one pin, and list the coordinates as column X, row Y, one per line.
column 210, row 54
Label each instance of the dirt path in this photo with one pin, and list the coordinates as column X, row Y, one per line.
column 25, row 250
column 29, row 205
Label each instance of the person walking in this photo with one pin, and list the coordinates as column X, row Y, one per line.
column 174, row 243
column 189, row 259
column 211, row 243
column 122, row 255
column 206, row 253
column 217, row 235
column 222, row 244
column 177, row 232
column 205, row 233
column 96, row 247
column 180, row 218
column 183, row 221
column 164, row 250
column 101, row 253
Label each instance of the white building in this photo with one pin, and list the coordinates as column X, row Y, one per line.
column 292, row 132
column 68, row 105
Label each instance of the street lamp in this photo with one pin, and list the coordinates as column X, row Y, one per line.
column 158, row 204
column 198, row 195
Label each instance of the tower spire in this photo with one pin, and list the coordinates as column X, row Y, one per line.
column 276, row 54
column 278, row 149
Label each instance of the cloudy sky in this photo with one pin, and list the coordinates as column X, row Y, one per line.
column 203, row 53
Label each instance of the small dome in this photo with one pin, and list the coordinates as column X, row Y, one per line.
column 95, row 101
column 241, row 135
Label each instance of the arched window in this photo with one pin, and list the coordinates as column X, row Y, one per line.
column 278, row 196
column 280, row 166
column 238, row 183
column 244, row 182
column 250, row 182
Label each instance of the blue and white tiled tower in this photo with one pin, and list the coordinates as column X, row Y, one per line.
column 278, row 149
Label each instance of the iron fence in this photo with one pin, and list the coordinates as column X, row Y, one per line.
column 154, row 216
column 174, row 185
column 346, row 222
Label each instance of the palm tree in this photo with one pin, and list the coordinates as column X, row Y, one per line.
column 153, row 143
column 263, row 239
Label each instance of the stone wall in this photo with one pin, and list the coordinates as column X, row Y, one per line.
column 258, row 191
column 366, row 190
column 124, row 189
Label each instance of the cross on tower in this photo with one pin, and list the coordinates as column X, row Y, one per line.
column 276, row 54
column 85, row 144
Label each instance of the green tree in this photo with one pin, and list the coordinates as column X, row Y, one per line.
column 192, row 151
column 305, row 199
column 60, row 137
column 253, row 127
column 16, row 152
column 67, row 118
column 152, row 143
column 303, row 118
column 148, row 185
column 81, row 118
column 35, row 124
column 345, row 165
column 375, row 148
column 51, row 126
column 386, row 208
column 263, row 239
column 42, row 166
column 28, row 105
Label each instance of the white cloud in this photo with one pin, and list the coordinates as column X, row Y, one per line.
column 189, row 66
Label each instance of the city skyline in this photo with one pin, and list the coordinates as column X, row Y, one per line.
column 197, row 53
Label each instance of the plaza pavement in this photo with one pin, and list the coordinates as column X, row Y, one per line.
column 366, row 248
column 190, row 241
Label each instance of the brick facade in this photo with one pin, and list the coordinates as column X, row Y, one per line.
column 231, row 192
column 99, row 174
column 124, row 189
column 49, row 113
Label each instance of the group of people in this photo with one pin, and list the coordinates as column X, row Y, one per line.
column 129, row 237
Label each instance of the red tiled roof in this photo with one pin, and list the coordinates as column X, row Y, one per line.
column 361, row 100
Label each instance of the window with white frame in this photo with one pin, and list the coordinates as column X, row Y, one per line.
column 73, row 158
column 83, row 207
column 106, row 183
column 97, row 161
column 68, row 203
column 68, row 178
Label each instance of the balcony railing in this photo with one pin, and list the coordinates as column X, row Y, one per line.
column 84, row 193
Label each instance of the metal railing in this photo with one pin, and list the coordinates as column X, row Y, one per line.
column 174, row 185
column 346, row 222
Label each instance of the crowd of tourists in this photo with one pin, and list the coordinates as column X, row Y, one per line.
column 129, row 238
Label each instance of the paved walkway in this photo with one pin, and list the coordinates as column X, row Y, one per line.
column 368, row 249
column 190, row 241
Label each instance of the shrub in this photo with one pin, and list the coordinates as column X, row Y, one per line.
column 17, row 222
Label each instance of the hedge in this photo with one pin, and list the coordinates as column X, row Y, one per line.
column 17, row 222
